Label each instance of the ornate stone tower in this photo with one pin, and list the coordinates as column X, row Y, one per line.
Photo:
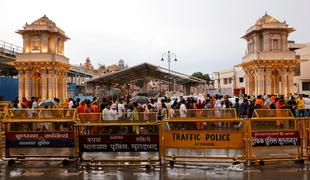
column 268, row 63
column 42, row 67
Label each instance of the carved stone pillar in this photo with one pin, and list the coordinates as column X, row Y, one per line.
column 27, row 84
column 64, row 87
column 21, row 84
column 256, row 84
column 266, row 42
column 268, row 80
column 284, row 88
column 33, row 85
column 290, row 84
column 247, row 83
column 57, row 79
column 260, row 81
column 256, row 43
column 44, row 84
column 51, row 84
column 284, row 42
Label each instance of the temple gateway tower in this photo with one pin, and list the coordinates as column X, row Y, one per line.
column 268, row 63
column 42, row 67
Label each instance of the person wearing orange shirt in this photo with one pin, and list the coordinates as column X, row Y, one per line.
column 259, row 103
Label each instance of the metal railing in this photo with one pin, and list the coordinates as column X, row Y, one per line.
column 40, row 114
column 204, row 113
column 119, row 117
column 8, row 48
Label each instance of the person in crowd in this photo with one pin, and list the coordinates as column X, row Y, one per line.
column 292, row 105
column 113, row 112
column 121, row 109
column 106, row 113
column 300, row 106
column 25, row 103
column 307, row 106
column 237, row 107
column 183, row 109
column 259, row 103
column 218, row 113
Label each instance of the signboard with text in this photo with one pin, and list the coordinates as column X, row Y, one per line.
column 275, row 138
column 39, row 139
column 119, row 143
column 203, row 140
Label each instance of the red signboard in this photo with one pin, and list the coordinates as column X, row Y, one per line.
column 119, row 143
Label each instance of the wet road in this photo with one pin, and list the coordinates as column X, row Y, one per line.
column 55, row 170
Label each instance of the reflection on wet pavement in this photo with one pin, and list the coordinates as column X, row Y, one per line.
column 55, row 170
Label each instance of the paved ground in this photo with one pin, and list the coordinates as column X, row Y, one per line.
column 55, row 170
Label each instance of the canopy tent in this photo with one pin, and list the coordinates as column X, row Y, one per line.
column 145, row 71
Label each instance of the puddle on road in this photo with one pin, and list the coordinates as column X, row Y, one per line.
column 16, row 173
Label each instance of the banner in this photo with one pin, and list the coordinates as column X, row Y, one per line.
column 203, row 140
column 275, row 138
column 39, row 139
column 119, row 143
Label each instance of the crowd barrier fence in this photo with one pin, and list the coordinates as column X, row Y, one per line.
column 119, row 142
column 45, row 134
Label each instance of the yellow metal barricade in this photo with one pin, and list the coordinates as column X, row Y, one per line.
column 275, row 135
column 221, row 113
column 306, row 123
column 39, row 134
column 2, row 114
column 212, row 135
column 117, row 140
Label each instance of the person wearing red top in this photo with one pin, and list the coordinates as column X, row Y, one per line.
column 81, row 108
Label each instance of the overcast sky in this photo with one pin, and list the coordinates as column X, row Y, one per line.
column 204, row 34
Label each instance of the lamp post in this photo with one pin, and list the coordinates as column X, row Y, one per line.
column 168, row 56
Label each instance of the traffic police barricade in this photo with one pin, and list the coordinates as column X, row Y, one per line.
column 275, row 135
column 117, row 139
column 212, row 135
column 39, row 134
column 306, row 123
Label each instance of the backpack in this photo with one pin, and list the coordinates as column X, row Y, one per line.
column 257, row 106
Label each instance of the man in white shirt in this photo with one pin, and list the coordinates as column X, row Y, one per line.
column 183, row 109
column 121, row 110
column 70, row 103
column 307, row 106
column 106, row 113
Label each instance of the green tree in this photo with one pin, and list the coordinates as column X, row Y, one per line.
column 202, row 76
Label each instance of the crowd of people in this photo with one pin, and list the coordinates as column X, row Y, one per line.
column 123, row 109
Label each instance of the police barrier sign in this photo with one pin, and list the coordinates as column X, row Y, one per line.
column 119, row 143
column 39, row 139
column 205, row 140
column 275, row 138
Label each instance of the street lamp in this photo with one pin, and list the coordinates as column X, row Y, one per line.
column 168, row 56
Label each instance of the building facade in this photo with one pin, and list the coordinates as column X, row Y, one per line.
column 228, row 82
column 268, row 63
column 302, row 78
column 42, row 66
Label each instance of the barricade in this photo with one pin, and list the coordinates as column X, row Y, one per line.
column 209, row 138
column 117, row 139
column 226, row 113
column 39, row 134
column 275, row 135
column 306, row 123
column 2, row 113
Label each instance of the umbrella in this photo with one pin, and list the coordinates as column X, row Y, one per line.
column 83, row 98
column 47, row 103
column 140, row 100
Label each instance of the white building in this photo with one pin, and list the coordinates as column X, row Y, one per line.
column 228, row 82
